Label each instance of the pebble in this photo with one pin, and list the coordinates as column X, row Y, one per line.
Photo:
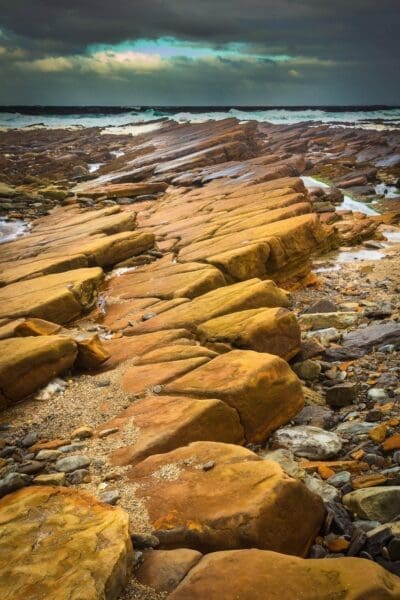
column 110, row 497
column 72, row 463
column 30, row 439
column 50, row 479
column 79, row 476
column 339, row 479
column 48, row 454
column 106, row 432
column 308, row 441
column 208, row 465
column 377, row 394
column 72, row 447
column 143, row 540
column 82, row 433
column 340, row 395
column 12, row 482
column 30, row 467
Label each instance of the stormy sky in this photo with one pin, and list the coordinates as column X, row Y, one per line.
column 200, row 52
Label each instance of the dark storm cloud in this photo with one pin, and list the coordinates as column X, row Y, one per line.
column 340, row 51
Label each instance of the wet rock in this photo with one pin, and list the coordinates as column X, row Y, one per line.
column 163, row 570
column 327, row 492
column 365, row 339
column 307, row 441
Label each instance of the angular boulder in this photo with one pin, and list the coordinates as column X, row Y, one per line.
column 60, row 544
column 271, row 330
column 211, row 496
column 261, row 387
column 262, row 575
column 27, row 363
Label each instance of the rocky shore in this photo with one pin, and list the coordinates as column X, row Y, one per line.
column 199, row 373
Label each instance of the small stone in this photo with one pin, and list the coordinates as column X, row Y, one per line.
column 370, row 480
column 79, row 476
column 373, row 415
column 307, row 441
column 377, row 394
column 72, row 447
column 82, row 433
column 317, row 551
column 50, row 479
column 48, row 454
column 376, row 503
column 106, row 432
column 327, row 492
column 103, row 383
column 29, row 439
column 322, row 306
column 143, row 540
column 357, row 542
column 307, row 370
column 30, row 467
column 378, row 434
column 337, row 544
column 72, row 463
column 157, row 389
column 374, row 459
column 110, row 497
column 339, row 479
column 394, row 548
column 208, row 466
column 366, row 525
column 392, row 443
column 340, row 395
column 12, row 482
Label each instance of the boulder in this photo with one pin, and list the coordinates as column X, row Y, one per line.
column 185, row 493
column 261, row 387
column 60, row 544
column 27, row 363
column 308, row 441
column 259, row 574
column 274, row 331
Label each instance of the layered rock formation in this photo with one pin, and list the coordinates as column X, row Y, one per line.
column 177, row 303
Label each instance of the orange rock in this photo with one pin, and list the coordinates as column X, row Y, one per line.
column 336, row 465
column 91, row 353
column 337, row 544
column 393, row 422
column 392, row 443
column 163, row 570
column 241, row 501
column 261, row 387
column 260, row 575
column 163, row 423
column 378, row 433
column 370, row 480
column 325, row 472
column 358, row 454
column 50, row 445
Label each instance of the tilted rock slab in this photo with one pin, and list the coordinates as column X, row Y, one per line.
column 261, row 387
column 211, row 496
column 262, row 575
column 164, row 423
column 60, row 544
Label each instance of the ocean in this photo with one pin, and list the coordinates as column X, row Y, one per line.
column 374, row 117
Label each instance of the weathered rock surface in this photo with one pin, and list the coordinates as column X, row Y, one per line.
column 61, row 544
column 379, row 504
column 28, row 363
column 188, row 505
column 164, row 423
column 274, row 331
column 261, row 387
column 257, row 574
